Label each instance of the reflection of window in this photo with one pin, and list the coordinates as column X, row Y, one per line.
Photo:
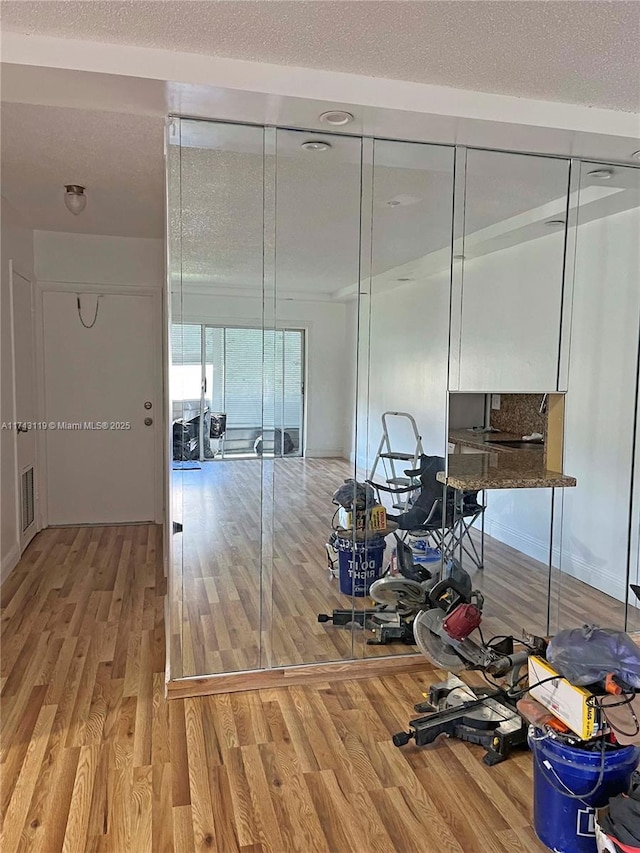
column 186, row 366
column 255, row 376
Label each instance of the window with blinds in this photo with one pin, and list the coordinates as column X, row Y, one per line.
column 255, row 376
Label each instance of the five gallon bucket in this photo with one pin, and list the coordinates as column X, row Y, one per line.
column 565, row 824
column 359, row 564
column 425, row 556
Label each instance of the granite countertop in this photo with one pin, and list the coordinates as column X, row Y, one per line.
column 520, row 470
column 478, row 440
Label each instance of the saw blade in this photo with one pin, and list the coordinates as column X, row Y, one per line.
column 405, row 595
column 426, row 630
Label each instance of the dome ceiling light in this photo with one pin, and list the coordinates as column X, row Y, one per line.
column 74, row 198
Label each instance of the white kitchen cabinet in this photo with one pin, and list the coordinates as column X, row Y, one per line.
column 507, row 294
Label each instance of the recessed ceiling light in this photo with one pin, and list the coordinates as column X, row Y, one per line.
column 336, row 117
column 458, row 257
column 393, row 203
column 404, row 278
column 602, row 174
column 636, row 155
column 316, row 145
column 555, row 223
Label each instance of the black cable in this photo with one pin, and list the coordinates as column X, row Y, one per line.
column 628, row 699
column 521, row 693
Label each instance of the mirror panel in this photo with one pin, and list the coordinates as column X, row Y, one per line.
column 317, row 226
column 598, row 558
column 513, row 261
column 405, row 328
column 218, row 350
column 508, row 295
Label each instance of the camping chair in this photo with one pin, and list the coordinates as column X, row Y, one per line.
column 441, row 515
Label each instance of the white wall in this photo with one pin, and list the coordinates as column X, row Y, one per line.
column 328, row 396
column 17, row 246
column 600, row 403
column 511, row 318
column 93, row 259
column 599, row 419
column 406, row 369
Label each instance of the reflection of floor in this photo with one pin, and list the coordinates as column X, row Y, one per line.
column 94, row 758
column 223, row 513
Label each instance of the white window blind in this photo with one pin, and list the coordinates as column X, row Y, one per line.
column 254, row 376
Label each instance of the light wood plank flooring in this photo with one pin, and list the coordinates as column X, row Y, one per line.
column 94, row 759
column 219, row 599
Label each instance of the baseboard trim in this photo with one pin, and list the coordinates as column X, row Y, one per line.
column 312, row 453
column 8, row 563
column 567, row 563
column 261, row 679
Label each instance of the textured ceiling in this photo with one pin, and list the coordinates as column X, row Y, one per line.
column 312, row 205
column 578, row 52
column 118, row 158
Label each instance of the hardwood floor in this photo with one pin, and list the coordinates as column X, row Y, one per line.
column 93, row 758
column 220, row 604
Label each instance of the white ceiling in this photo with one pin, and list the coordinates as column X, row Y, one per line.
column 119, row 159
column 575, row 52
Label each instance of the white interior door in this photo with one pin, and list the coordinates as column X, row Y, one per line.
column 100, row 388
column 25, row 404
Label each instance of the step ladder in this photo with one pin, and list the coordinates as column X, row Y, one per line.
column 390, row 457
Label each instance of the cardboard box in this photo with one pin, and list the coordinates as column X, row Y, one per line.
column 375, row 519
column 565, row 701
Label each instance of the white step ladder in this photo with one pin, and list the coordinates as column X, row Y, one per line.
column 389, row 457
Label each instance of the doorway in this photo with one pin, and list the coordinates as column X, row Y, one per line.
column 101, row 381
column 237, row 392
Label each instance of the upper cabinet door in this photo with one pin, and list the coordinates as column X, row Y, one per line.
column 508, row 272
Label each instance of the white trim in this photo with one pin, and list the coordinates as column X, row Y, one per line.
column 120, row 289
column 572, row 565
column 308, row 83
column 23, row 537
column 8, row 563
column 319, row 453
column 530, row 545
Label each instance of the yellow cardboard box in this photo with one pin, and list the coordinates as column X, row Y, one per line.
column 565, row 701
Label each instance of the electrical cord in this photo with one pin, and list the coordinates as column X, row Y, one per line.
column 596, row 702
column 95, row 316
column 567, row 792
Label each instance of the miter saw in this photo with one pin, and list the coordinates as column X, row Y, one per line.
column 399, row 597
column 489, row 717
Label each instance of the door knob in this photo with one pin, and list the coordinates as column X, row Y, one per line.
column 148, row 404
column 148, row 421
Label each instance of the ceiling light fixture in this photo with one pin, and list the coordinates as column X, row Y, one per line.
column 336, row 117
column 404, row 278
column 458, row 257
column 317, row 145
column 394, row 203
column 74, row 198
column 602, row 174
column 636, row 155
column 553, row 223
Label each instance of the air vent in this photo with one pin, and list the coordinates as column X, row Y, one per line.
column 28, row 502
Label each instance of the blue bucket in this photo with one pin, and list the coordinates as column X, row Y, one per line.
column 564, row 824
column 359, row 564
column 428, row 557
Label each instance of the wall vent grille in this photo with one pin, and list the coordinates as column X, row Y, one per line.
column 28, row 500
